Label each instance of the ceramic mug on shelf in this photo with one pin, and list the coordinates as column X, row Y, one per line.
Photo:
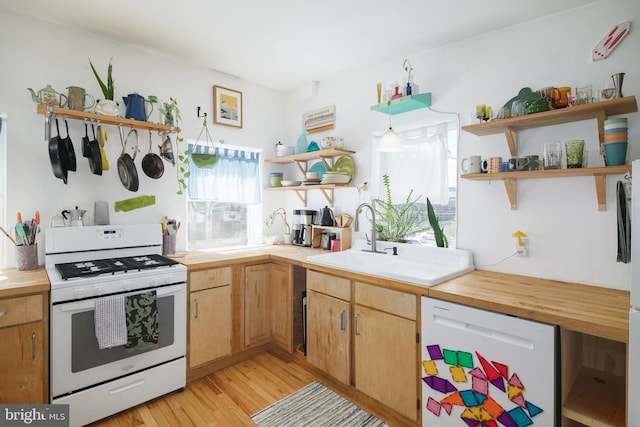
column 471, row 164
column 519, row 164
column 492, row 165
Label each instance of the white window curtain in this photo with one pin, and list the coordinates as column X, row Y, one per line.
column 235, row 178
column 421, row 166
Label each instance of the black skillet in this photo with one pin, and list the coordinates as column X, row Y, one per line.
column 71, row 154
column 57, row 156
column 95, row 159
column 152, row 164
column 126, row 168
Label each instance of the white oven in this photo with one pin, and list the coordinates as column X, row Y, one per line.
column 86, row 266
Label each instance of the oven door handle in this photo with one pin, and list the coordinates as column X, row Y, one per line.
column 90, row 303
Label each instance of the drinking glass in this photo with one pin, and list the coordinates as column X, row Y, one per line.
column 552, row 156
column 481, row 112
column 575, row 153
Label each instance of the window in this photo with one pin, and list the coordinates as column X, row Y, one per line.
column 427, row 165
column 224, row 202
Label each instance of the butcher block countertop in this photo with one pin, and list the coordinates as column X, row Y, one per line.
column 592, row 310
column 14, row 282
column 589, row 309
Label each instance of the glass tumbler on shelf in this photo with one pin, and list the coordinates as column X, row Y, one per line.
column 575, row 153
column 552, row 155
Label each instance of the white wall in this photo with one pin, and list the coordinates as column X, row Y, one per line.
column 569, row 238
column 36, row 53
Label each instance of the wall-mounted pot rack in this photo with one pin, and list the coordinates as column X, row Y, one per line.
column 49, row 111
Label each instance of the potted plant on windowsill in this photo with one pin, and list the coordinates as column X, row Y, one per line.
column 106, row 106
column 395, row 222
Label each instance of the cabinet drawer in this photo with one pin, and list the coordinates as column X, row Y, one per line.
column 328, row 284
column 388, row 300
column 211, row 278
column 14, row 311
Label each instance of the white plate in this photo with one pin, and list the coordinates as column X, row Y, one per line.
column 290, row 183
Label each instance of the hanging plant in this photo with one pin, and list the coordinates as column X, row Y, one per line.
column 182, row 165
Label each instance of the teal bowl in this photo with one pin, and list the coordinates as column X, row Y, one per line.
column 615, row 154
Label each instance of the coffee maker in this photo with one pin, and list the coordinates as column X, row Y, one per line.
column 302, row 221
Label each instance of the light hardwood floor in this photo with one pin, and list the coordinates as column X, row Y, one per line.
column 228, row 397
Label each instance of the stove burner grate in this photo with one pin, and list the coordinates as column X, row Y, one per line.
column 97, row 267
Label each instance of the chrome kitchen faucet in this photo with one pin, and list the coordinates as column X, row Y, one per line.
column 356, row 226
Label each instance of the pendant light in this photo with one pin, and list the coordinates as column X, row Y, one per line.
column 390, row 141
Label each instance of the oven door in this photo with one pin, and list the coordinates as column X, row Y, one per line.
column 76, row 360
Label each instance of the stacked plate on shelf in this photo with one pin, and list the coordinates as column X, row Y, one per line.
column 336, row 178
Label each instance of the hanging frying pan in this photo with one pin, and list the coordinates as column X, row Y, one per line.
column 152, row 164
column 71, row 154
column 126, row 168
column 86, row 144
column 57, row 152
column 95, row 159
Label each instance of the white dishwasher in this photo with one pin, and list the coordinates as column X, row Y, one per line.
column 486, row 369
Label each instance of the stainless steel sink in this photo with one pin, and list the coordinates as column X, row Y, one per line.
column 417, row 264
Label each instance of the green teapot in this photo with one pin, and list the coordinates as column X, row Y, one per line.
column 48, row 96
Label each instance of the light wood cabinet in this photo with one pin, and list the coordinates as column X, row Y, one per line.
column 329, row 324
column 257, row 301
column 210, row 320
column 22, row 334
column 385, row 347
column 282, row 306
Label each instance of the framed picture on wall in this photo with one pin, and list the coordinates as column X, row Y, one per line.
column 227, row 105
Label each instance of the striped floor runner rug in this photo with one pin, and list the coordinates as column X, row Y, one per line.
column 314, row 405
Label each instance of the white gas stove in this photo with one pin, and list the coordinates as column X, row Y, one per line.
column 91, row 266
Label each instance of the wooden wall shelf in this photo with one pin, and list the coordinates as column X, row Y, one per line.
column 597, row 110
column 105, row 120
column 510, row 179
column 301, row 160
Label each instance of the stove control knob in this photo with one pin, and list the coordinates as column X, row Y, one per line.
column 98, row 290
column 126, row 285
column 155, row 281
column 79, row 293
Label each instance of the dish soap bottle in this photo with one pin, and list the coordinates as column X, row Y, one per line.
column 302, row 143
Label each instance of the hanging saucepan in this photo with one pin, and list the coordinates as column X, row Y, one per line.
column 152, row 164
column 71, row 154
column 86, row 146
column 57, row 154
column 126, row 168
column 95, row 159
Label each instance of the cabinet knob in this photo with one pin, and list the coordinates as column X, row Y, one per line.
column 2, row 313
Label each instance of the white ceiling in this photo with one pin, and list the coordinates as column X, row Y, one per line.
column 283, row 43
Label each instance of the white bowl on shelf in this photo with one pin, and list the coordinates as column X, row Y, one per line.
column 331, row 142
column 290, row 183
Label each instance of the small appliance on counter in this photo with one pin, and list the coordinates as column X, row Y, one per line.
column 303, row 220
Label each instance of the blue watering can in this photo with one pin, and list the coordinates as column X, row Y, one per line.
column 135, row 107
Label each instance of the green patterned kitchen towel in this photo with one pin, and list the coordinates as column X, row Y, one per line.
column 142, row 321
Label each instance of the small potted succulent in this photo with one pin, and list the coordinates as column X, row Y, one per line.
column 107, row 106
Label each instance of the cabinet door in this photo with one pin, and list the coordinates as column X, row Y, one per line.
column 385, row 354
column 22, row 367
column 257, row 313
column 282, row 306
column 328, row 335
column 210, row 325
